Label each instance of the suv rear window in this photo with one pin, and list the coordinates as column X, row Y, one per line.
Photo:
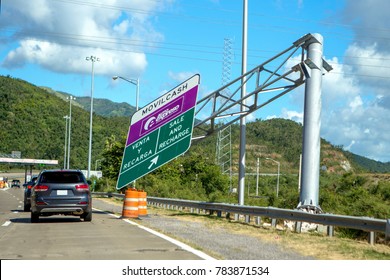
column 62, row 177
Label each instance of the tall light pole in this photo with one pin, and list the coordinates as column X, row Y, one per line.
column 134, row 82
column 277, row 183
column 70, row 125
column 93, row 59
column 66, row 137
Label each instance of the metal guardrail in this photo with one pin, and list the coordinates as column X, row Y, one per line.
column 360, row 223
column 105, row 194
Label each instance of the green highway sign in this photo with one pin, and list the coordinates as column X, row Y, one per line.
column 159, row 132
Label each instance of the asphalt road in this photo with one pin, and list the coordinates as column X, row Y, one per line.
column 107, row 237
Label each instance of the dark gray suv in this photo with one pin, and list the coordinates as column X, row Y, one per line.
column 61, row 192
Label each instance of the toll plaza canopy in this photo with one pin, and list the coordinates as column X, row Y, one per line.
column 27, row 163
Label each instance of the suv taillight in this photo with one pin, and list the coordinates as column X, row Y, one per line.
column 41, row 188
column 82, row 188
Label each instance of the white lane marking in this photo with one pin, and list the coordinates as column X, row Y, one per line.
column 163, row 236
column 174, row 241
column 6, row 224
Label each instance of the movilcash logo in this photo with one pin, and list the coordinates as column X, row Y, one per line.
column 152, row 121
column 162, row 116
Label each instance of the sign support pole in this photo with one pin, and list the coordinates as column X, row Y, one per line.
column 241, row 169
column 311, row 128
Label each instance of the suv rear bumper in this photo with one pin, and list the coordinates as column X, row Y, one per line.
column 57, row 210
column 62, row 210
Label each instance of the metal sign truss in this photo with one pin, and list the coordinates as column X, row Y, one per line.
column 264, row 84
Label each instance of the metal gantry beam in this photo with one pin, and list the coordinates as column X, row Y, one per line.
column 265, row 83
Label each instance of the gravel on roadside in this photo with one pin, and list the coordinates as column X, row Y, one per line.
column 217, row 242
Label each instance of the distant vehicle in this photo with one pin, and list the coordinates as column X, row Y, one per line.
column 27, row 193
column 15, row 183
column 61, row 192
column 3, row 183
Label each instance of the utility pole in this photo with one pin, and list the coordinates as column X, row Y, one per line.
column 257, row 176
column 277, row 180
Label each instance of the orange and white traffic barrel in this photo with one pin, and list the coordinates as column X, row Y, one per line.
column 130, row 204
column 142, row 204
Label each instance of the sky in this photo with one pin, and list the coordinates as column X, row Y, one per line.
column 164, row 42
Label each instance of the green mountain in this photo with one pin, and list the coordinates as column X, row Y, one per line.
column 369, row 164
column 101, row 106
column 107, row 108
column 32, row 121
column 281, row 140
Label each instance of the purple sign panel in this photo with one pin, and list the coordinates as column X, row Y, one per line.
column 162, row 115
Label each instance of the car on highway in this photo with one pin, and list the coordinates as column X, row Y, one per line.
column 15, row 183
column 27, row 193
column 61, row 192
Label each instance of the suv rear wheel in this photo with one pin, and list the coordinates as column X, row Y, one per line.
column 26, row 207
column 87, row 217
column 34, row 217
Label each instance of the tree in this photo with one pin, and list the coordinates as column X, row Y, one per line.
column 112, row 154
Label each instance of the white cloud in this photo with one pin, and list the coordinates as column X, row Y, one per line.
column 58, row 35
column 356, row 103
column 180, row 76
column 354, row 113
column 64, row 58
column 357, row 99
column 122, row 27
column 290, row 115
column 365, row 125
column 293, row 115
column 371, row 66
column 350, row 145
column 370, row 22
column 337, row 87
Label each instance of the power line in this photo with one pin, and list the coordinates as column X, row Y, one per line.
column 161, row 45
column 120, row 8
column 172, row 46
column 237, row 23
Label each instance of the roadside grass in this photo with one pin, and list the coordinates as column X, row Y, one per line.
column 313, row 244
